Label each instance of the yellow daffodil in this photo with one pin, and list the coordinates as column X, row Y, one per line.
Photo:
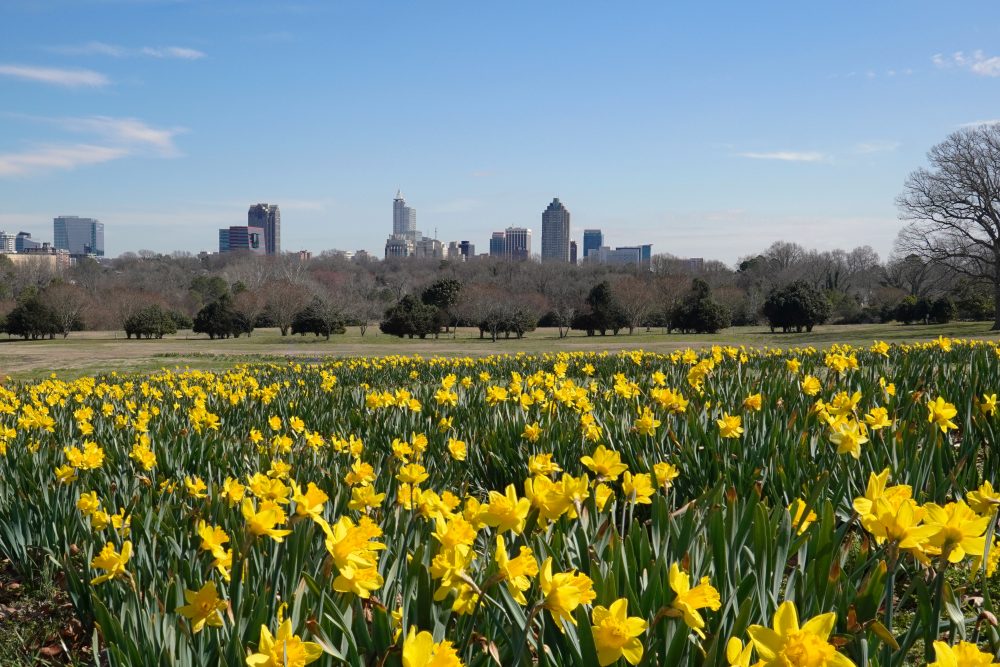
column 789, row 645
column 690, row 600
column 616, row 634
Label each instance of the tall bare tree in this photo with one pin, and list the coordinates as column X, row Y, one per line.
column 953, row 207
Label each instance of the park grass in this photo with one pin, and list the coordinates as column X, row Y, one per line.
column 88, row 353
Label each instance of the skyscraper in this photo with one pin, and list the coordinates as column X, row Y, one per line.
column 593, row 239
column 404, row 218
column 555, row 233
column 498, row 245
column 572, row 252
column 517, row 243
column 267, row 217
column 78, row 236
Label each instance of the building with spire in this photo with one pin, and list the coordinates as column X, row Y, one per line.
column 555, row 232
column 406, row 240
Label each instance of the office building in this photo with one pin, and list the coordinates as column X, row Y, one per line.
column 467, row 249
column 78, row 236
column 555, row 232
column 267, row 217
column 624, row 255
column 428, row 248
column 243, row 238
column 23, row 242
column 7, row 243
column 498, row 245
column 398, row 246
column 593, row 239
column 572, row 252
column 517, row 243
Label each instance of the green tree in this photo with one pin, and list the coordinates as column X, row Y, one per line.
column 410, row 317
column 942, row 310
column 797, row 305
column 32, row 319
column 603, row 313
column 151, row 321
column 319, row 319
column 219, row 320
column 443, row 294
column 698, row 312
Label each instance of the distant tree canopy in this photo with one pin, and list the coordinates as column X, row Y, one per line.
column 150, row 322
column 319, row 319
column 410, row 317
column 32, row 319
column 797, row 306
column 603, row 312
column 698, row 312
column 219, row 320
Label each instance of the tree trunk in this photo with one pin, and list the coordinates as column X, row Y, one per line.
column 996, row 297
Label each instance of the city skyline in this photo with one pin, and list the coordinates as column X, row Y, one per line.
column 803, row 130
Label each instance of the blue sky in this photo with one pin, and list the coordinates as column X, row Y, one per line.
column 708, row 129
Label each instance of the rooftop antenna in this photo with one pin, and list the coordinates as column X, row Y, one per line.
column 435, row 233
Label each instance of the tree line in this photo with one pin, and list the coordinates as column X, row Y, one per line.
column 785, row 285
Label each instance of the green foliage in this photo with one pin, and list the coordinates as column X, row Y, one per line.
column 942, row 310
column 318, row 319
column 698, row 312
column 219, row 320
column 913, row 309
column 603, row 312
column 150, row 322
column 410, row 317
column 797, row 306
column 32, row 319
column 443, row 293
column 209, row 288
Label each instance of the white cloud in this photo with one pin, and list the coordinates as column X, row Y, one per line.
column 130, row 132
column 977, row 62
column 173, row 52
column 47, row 158
column 978, row 123
column 70, row 78
column 117, row 138
column 787, row 156
column 116, row 51
column 868, row 147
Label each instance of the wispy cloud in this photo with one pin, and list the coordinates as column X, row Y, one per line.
column 173, row 52
column 787, row 156
column 116, row 51
column 47, row 158
column 869, row 147
column 70, row 78
column 977, row 62
column 117, row 138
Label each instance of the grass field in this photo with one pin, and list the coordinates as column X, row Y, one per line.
column 92, row 352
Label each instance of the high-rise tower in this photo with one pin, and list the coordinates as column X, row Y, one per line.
column 404, row 218
column 267, row 217
column 555, row 232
